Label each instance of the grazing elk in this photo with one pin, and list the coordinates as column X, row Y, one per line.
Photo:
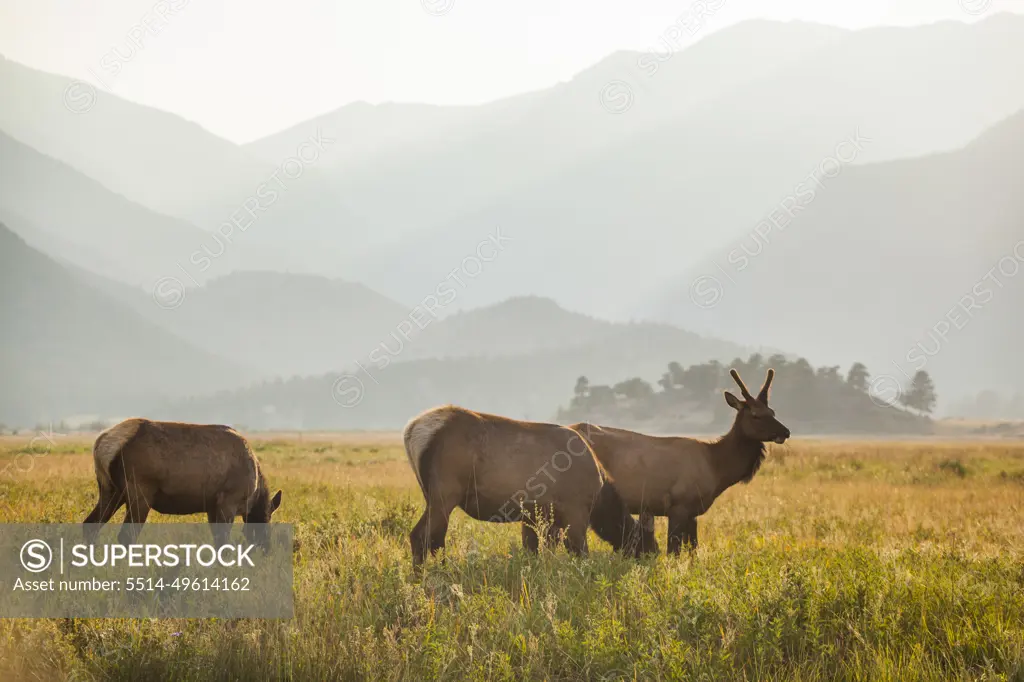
column 504, row 470
column 179, row 468
column 681, row 477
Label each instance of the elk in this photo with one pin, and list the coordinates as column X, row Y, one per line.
column 682, row 477
column 178, row 468
column 504, row 470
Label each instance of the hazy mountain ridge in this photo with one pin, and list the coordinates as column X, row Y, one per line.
column 153, row 157
column 283, row 324
column 85, row 221
column 898, row 244
column 528, row 386
column 601, row 209
column 175, row 167
column 68, row 349
column 688, row 186
column 288, row 325
column 531, row 324
column 514, row 145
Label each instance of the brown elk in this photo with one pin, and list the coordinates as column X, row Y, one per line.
column 681, row 477
column 504, row 470
column 179, row 468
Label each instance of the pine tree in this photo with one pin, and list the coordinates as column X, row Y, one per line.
column 857, row 378
column 921, row 396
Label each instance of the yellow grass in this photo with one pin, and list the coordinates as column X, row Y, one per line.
column 841, row 560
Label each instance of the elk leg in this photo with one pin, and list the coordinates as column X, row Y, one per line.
column 682, row 527
column 648, row 543
column 539, row 518
column 220, row 519
column 531, row 542
column 575, row 527
column 430, row 531
column 138, row 510
column 576, row 540
column 110, row 501
column 690, row 534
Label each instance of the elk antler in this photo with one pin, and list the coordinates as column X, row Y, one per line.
column 763, row 395
column 739, row 382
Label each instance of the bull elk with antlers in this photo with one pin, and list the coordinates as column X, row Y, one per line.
column 682, row 477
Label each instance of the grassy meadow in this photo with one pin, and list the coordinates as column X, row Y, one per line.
column 840, row 561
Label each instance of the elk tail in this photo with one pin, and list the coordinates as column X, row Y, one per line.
column 419, row 435
column 109, row 445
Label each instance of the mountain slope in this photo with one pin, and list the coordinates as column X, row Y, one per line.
column 283, row 324
column 152, row 157
column 527, row 386
column 176, row 168
column 529, row 325
column 82, row 220
column 470, row 159
column 697, row 181
column 364, row 132
column 905, row 265
column 68, row 349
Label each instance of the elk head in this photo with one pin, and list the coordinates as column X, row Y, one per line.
column 755, row 419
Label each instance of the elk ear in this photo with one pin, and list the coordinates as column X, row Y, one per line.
column 734, row 402
column 276, row 502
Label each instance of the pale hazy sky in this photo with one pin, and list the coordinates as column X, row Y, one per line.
column 247, row 68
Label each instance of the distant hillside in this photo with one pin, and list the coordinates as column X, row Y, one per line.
column 806, row 399
column 282, row 324
column 365, row 132
column 525, row 375
column 713, row 137
column 81, row 220
column 622, row 221
column 895, row 264
column 152, row 157
column 69, row 349
column 528, row 325
column 524, row 146
column 297, row 325
column 174, row 167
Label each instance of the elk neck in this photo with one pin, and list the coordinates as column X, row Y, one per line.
column 735, row 457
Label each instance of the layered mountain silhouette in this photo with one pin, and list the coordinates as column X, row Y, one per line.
column 69, row 349
column 72, row 216
column 908, row 264
column 666, row 195
column 176, row 168
column 629, row 192
column 519, row 358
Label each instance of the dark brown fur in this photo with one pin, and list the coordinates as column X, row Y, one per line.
column 177, row 468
